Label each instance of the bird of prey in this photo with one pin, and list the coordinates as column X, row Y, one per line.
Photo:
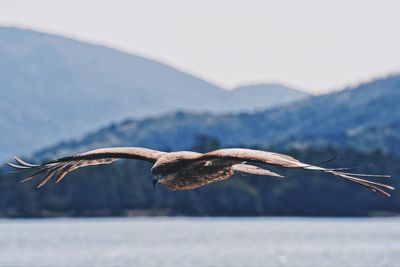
column 189, row 170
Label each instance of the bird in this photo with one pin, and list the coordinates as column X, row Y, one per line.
column 184, row 170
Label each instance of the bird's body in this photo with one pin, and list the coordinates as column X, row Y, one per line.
column 189, row 178
column 183, row 170
column 188, row 170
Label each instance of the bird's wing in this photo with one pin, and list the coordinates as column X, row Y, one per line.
column 62, row 166
column 246, row 168
column 258, row 156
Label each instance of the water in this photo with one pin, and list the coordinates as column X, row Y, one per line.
column 200, row 242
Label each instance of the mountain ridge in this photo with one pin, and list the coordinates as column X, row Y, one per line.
column 54, row 88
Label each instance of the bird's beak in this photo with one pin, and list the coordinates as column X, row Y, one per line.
column 155, row 182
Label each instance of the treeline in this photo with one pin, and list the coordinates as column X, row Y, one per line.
column 125, row 188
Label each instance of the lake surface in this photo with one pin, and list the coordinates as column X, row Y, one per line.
column 200, row 242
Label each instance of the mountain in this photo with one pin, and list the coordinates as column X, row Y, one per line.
column 240, row 97
column 366, row 117
column 54, row 88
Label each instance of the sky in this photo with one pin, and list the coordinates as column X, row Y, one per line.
column 313, row 45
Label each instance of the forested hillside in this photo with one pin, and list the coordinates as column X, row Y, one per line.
column 366, row 117
column 125, row 188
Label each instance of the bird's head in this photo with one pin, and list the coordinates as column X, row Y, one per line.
column 159, row 171
column 164, row 166
column 172, row 162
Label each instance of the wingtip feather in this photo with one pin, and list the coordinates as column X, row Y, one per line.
column 24, row 163
column 15, row 166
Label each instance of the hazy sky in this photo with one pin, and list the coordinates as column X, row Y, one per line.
column 314, row 45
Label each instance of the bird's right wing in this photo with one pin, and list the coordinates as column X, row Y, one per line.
column 259, row 156
column 62, row 166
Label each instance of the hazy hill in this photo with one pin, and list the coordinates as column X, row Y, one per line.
column 366, row 117
column 54, row 88
column 254, row 97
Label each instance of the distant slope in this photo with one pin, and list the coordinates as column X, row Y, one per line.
column 366, row 117
column 273, row 93
column 54, row 88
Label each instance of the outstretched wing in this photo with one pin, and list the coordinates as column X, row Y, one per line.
column 258, row 156
column 63, row 166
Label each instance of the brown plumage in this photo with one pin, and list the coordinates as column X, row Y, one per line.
column 189, row 170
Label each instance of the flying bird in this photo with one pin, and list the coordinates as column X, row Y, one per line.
column 189, row 170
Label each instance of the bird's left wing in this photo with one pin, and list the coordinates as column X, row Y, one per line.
column 62, row 166
column 259, row 156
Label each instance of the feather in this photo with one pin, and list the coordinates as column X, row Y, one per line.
column 24, row 163
column 33, row 176
column 46, row 178
column 17, row 166
column 62, row 172
column 366, row 175
column 254, row 170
